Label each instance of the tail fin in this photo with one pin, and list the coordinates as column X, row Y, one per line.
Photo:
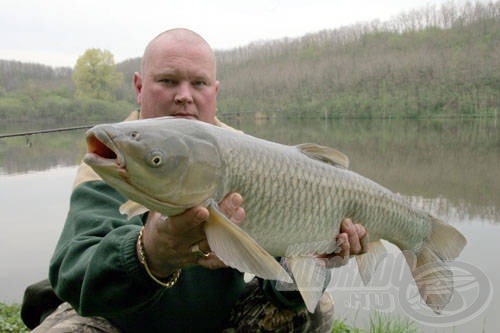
column 430, row 271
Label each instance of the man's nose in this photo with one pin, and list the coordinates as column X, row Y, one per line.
column 183, row 94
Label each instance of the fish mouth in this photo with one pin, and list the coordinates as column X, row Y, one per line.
column 102, row 152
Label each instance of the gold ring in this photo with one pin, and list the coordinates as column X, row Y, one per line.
column 196, row 248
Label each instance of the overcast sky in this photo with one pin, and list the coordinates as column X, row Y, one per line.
column 57, row 32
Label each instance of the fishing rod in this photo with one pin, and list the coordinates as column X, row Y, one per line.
column 63, row 129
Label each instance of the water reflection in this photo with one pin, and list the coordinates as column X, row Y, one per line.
column 41, row 152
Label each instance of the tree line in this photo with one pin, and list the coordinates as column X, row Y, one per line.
column 427, row 62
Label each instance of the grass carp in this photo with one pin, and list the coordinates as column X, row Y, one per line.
column 293, row 195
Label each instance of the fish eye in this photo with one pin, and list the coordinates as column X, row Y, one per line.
column 155, row 159
column 134, row 135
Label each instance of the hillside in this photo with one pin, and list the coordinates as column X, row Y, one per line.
column 423, row 63
column 429, row 62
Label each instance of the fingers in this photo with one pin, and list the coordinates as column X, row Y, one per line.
column 201, row 247
column 211, row 262
column 231, row 207
column 347, row 227
column 343, row 246
column 351, row 240
column 362, row 233
column 190, row 219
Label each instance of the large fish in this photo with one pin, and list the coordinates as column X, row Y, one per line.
column 295, row 198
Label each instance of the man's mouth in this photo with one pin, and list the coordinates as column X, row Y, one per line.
column 185, row 115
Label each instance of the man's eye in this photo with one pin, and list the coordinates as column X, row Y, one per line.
column 167, row 81
column 199, row 83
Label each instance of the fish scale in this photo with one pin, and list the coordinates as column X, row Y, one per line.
column 265, row 216
column 335, row 192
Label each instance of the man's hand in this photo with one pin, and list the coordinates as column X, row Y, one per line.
column 231, row 207
column 350, row 241
column 169, row 243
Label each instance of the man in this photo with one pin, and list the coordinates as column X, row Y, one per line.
column 157, row 274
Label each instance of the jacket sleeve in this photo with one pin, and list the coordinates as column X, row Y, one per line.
column 95, row 266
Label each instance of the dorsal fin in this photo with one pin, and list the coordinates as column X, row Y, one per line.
column 324, row 154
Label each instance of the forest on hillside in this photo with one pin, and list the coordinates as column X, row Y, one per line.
column 429, row 62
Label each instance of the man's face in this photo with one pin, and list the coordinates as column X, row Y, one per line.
column 178, row 79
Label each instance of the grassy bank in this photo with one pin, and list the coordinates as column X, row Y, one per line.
column 10, row 319
column 378, row 323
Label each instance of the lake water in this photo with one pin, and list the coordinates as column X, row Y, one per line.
column 449, row 167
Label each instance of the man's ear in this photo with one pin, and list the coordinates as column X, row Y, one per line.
column 138, row 86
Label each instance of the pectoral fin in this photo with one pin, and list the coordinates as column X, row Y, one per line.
column 238, row 250
column 132, row 208
column 309, row 275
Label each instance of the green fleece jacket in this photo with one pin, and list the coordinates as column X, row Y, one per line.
column 95, row 268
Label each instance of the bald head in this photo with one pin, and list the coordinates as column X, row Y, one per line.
column 173, row 38
column 178, row 77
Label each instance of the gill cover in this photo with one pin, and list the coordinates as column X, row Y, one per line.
column 171, row 166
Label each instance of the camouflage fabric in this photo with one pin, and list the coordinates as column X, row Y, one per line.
column 252, row 313
column 65, row 320
column 255, row 313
